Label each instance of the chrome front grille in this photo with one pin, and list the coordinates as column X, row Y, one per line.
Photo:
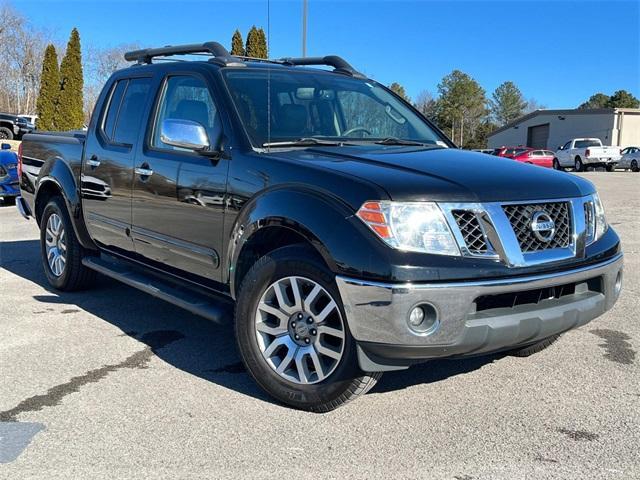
column 520, row 217
column 519, row 233
column 472, row 233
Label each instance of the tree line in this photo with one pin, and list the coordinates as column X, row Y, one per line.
column 63, row 94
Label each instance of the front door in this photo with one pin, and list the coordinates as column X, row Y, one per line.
column 107, row 168
column 178, row 195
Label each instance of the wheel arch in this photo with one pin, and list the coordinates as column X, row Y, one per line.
column 56, row 178
column 283, row 217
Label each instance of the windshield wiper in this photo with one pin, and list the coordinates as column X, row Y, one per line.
column 400, row 141
column 307, row 142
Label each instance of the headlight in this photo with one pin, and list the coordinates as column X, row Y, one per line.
column 601, row 221
column 596, row 223
column 414, row 226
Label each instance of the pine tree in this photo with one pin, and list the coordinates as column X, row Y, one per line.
column 237, row 46
column 69, row 114
column 598, row 100
column 623, row 99
column 507, row 103
column 263, row 51
column 252, row 43
column 399, row 90
column 49, row 89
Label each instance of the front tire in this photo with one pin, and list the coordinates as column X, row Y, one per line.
column 556, row 165
column 61, row 252
column 634, row 166
column 610, row 167
column 578, row 166
column 6, row 133
column 292, row 332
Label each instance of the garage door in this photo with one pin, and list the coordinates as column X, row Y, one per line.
column 537, row 136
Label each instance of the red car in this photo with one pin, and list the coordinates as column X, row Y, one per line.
column 542, row 158
column 509, row 152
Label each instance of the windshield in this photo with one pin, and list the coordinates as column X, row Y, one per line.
column 322, row 105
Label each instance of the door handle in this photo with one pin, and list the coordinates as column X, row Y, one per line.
column 93, row 161
column 144, row 172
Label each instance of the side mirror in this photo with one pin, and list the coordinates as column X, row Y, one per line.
column 6, row 146
column 184, row 134
column 559, row 147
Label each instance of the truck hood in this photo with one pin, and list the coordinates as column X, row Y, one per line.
column 451, row 175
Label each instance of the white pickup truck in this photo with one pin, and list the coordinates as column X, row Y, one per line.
column 581, row 153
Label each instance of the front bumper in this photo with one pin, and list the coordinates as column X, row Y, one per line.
column 9, row 189
column 377, row 313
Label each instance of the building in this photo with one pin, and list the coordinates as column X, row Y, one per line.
column 551, row 128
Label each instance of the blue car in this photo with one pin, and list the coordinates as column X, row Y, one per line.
column 8, row 173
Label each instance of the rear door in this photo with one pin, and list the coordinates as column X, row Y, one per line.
column 107, row 167
column 178, row 195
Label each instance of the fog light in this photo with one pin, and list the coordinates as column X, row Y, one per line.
column 416, row 316
column 423, row 319
column 618, row 285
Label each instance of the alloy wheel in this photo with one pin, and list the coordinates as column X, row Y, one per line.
column 56, row 245
column 300, row 330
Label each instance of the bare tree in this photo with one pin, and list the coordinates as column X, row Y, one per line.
column 533, row 105
column 427, row 104
column 21, row 53
column 99, row 64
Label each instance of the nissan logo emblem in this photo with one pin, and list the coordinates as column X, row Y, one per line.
column 543, row 226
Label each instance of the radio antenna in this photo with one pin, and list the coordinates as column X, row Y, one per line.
column 268, row 76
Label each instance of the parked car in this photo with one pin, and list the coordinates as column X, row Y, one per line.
column 354, row 238
column 581, row 153
column 13, row 126
column 8, row 173
column 32, row 119
column 630, row 159
column 542, row 158
column 488, row 151
column 510, row 152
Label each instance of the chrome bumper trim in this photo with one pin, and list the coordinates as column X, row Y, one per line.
column 22, row 207
column 377, row 312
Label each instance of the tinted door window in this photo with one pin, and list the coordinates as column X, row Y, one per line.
column 114, row 106
column 131, row 111
column 186, row 98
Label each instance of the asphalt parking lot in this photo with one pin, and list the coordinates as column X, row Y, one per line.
column 114, row 383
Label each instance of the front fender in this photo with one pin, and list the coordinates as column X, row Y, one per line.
column 329, row 225
column 56, row 172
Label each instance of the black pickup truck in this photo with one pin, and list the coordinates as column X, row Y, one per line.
column 13, row 127
column 350, row 233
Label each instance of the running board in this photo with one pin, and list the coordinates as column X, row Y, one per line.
column 182, row 296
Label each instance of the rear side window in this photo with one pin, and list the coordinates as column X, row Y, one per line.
column 114, row 106
column 124, row 115
column 131, row 111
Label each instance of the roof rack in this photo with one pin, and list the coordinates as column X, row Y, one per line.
column 222, row 57
column 220, row 54
column 339, row 63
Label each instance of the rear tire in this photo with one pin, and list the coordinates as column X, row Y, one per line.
column 6, row 133
column 610, row 167
column 344, row 381
column 535, row 348
column 578, row 166
column 634, row 166
column 61, row 252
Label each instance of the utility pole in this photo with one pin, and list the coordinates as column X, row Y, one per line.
column 304, row 28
